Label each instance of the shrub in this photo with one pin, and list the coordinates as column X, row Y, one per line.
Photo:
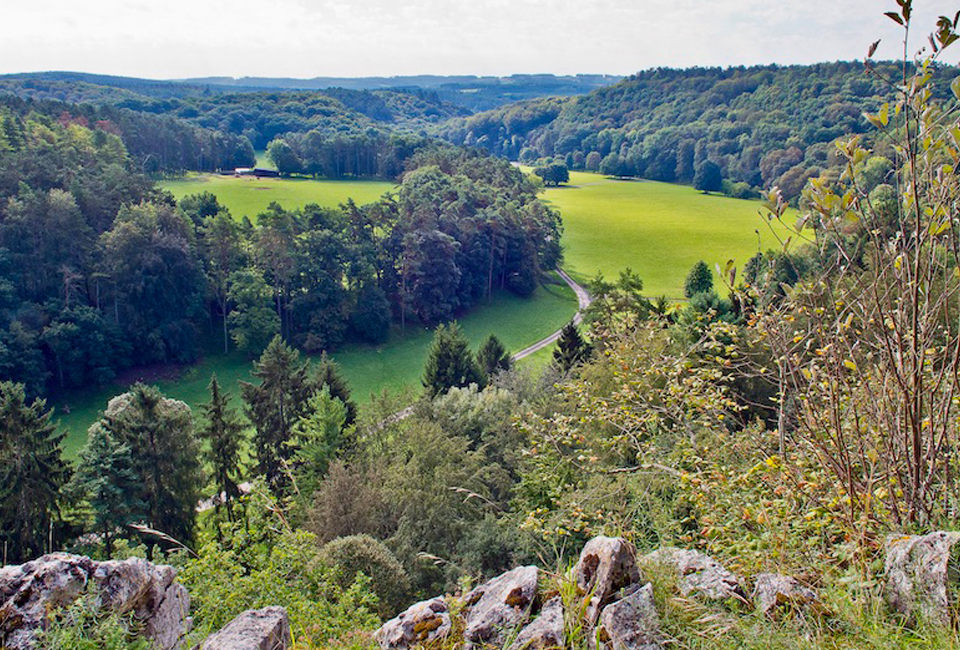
column 355, row 554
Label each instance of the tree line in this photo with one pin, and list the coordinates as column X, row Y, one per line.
column 101, row 271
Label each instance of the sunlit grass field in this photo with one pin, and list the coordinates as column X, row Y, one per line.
column 660, row 230
column 369, row 369
column 248, row 196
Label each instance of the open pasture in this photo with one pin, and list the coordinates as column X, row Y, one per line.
column 660, row 230
column 249, row 196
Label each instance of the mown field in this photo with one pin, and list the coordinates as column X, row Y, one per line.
column 368, row 369
column 660, row 230
column 248, row 196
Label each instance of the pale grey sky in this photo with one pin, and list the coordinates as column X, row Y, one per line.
column 308, row 38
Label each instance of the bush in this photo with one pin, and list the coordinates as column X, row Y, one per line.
column 355, row 554
column 82, row 625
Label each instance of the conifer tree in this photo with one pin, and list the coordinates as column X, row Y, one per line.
column 107, row 476
column 571, row 348
column 493, row 357
column 275, row 405
column 699, row 279
column 329, row 374
column 223, row 431
column 449, row 362
column 31, row 473
column 165, row 454
column 317, row 437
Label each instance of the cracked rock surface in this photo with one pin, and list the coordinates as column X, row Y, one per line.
column 28, row 592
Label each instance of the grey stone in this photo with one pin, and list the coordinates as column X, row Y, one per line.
column 918, row 570
column 29, row 592
column 425, row 621
column 699, row 574
column 773, row 593
column 606, row 565
column 631, row 623
column 499, row 607
column 254, row 629
column 545, row 632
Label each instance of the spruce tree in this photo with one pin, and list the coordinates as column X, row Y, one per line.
column 165, row 454
column 31, row 473
column 571, row 348
column 699, row 279
column 449, row 362
column 493, row 357
column 275, row 405
column 329, row 374
column 223, row 431
column 317, row 437
column 106, row 474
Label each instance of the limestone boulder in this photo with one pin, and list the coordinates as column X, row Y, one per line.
column 254, row 629
column 631, row 623
column 606, row 565
column 30, row 592
column 699, row 574
column 545, row 632
column 498, row 608
column 425, row 621
column 774, row 593
column 921, row 576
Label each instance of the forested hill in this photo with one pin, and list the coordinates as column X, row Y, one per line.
column 762, row 125
column 257, row 114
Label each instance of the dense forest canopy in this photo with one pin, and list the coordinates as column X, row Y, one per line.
column 102, row 271
column 763, row 125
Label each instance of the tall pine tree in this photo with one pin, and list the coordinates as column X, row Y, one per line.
column 31, row 473
column 166, row 457
column 493, row 357
column 106, row 474
column 275, row 405
column 571, row 348
column 222, row 429
column 328, row 374
column 449, row 362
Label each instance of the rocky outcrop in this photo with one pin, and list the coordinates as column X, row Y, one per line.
column 606, row 565
column 699, row 574
column 631, row 623
column 255, row 629
column 425, row 621
column 774, row 593
column 545, row 632
column 29, row 592
column 499, row 607
column 921, row 575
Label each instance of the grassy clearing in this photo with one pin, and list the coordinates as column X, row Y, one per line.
column 248, row 196
column 369, row 369
column 660, row 230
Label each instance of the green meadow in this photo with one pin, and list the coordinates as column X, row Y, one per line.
column 368, row 369
column 660, row 230
column 249, row 196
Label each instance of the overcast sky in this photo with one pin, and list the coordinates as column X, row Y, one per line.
column 166, row 39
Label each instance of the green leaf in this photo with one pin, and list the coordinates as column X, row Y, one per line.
column 894, row 16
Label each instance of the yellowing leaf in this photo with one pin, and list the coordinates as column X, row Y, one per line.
column 849, row 364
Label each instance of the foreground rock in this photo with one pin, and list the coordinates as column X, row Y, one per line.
column 255, row 629
column 544, row 633
column 606, row 565
column 29, row 592
column 499, row 607
column 631, row 623
column 919, row 581
column 699, row 574
column 774, row 593
column 425, row 621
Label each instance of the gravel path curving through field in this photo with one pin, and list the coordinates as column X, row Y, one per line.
column 583, row 301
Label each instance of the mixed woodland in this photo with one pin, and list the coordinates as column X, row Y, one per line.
column 785, row 417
